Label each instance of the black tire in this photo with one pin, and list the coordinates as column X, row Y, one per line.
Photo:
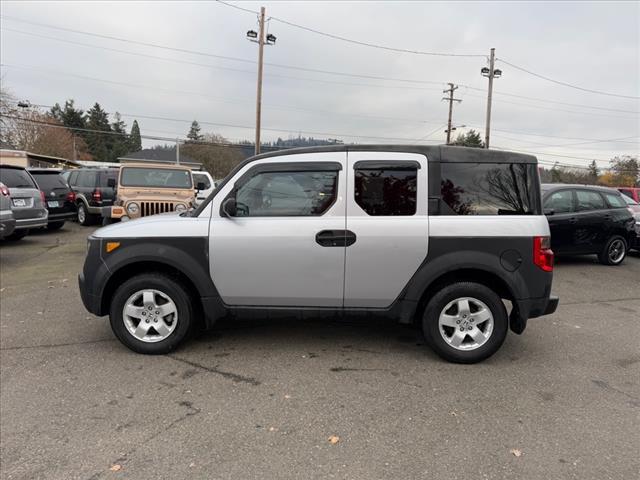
column 17, row 235
column 169, row 287
column 55, row 225
column 614, row 244
column 431, row 327
column 84, row 217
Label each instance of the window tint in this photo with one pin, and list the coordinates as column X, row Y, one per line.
column 615, row 201
column 16, row 178
column 200, row 178
column 280, row 194
column 386, row 191
column 73, row 178
column 489, row 189
column 560, row 202
column 87, row 178
column 588, row 200
column 50, row 181
column 155, row 177
column 106, row 175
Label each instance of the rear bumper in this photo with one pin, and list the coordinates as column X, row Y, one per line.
column 58, row 217
column 7, row 225
column 31, row 223
column 527, row 308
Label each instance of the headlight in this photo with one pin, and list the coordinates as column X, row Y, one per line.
column 181, row 208
column 133, row 208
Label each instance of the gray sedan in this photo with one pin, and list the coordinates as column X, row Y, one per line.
column 7, row 222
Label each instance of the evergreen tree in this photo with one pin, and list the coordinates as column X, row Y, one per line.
column 120, row 142
column 135, row 141
column 194, row 132
column 470, row 139
column 100, row 144
column 593, row 171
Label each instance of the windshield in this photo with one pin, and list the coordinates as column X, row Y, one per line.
column 155, row 178
column 50, row 181
column 16, row 178
column 630, row 201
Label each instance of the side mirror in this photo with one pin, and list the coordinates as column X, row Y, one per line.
column 549, row 211
column 229, row 208
column 201, row 186
column 111, row 182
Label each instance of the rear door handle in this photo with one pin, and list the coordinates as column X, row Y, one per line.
column 573, row 220
column 335, row 238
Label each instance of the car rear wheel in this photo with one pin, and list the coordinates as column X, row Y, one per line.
column 84, row 217
column 151, row 313
column 55, row 225
column 614, row 251
column 465, row 322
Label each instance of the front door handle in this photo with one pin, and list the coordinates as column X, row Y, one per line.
column 573, row 220
column 335, row 238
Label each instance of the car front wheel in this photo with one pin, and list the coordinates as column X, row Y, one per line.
column 151, row 313
column 465, row 322
column 614, row 251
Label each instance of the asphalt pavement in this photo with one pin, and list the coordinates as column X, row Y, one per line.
column 292, row 399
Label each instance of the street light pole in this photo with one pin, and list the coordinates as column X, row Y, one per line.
column 490, row 73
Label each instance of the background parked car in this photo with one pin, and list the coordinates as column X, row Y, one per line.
column 631, row 192
column 60, row 200
column 27, row 202
column 588, row 220
column 635, row 208
column 209, row 185
column 7, row 222
column 92, row 190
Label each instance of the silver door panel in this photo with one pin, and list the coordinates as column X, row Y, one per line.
column 388, row 249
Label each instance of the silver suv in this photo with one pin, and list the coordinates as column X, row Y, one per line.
column 437, row 236
column 27, row 201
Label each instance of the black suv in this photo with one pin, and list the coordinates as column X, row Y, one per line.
column 588, row 220
column 59, row 199
column 92, row 190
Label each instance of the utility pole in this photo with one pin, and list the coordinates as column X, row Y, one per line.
column 177, row 151
column 259, row 38
column 490, row 73
column 450, row 99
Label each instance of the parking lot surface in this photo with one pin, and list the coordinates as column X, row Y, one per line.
column 261, row 399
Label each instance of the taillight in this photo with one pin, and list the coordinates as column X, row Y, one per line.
column 4, row 190
column 42, row 197
column 542, row 253
column 97, row 195
column 71, row 197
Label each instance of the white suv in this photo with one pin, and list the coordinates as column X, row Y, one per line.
column 439, row 236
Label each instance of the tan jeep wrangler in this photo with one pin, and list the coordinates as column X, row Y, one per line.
column 147, row 189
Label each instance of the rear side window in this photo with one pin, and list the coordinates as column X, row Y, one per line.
column 615, row 201
column 588, row 200
column 628, row 192
column 386, row 191
column 73, row 178
column 489, row 189
column 286, row 194
column 16, row 178
column 560, row 202
column 87, row 178
column 50, row 181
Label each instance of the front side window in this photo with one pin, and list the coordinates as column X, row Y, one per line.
column 200, row 178
column 560, row 202
column 386, row 191
column 106, row 175
column 155, row 177
column 489, row 189
column 286, row 194
column 615, row 201
column 588, row 200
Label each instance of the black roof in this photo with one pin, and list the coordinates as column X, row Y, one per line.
column 436, row 153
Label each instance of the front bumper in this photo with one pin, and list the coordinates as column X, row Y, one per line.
column 90, row 302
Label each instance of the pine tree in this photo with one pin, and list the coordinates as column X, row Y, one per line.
column 194, row 132
column 135, row 141
column 120, row 142
column 594, row 173
column 470, row 139
column 100, row 144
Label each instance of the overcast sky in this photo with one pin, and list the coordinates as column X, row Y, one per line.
column 591, row 45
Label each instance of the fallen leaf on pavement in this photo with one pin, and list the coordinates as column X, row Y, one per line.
column 333, row 439
column 516, row 452
column 116, row 468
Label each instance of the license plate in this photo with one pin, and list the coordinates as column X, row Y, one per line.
column 53, row 204
column 19, row 202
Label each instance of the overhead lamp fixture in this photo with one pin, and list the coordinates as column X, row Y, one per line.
column 271, row 39
column 497, row 73
column 252, row 34
column 485, row 71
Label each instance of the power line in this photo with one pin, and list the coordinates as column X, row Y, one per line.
column 558, row 82
column 562, row 145
column 291, row 67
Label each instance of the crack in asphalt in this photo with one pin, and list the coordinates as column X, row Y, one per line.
column 58, row 344
column 599, row 301
column 235, row 377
